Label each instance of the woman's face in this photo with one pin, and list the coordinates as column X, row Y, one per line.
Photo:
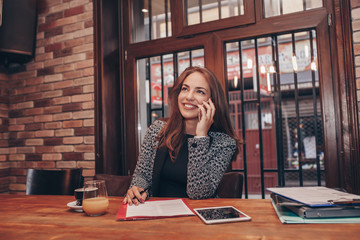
column 194, row 91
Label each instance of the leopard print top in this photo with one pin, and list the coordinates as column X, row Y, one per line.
column 209, row 158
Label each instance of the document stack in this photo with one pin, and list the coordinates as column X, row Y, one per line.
column 315, row 205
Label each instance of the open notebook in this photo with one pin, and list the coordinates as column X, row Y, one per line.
column 152, row 209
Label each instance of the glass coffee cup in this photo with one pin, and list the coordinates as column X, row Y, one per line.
column 95, row 198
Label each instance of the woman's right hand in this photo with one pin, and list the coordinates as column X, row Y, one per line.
column 134, row 196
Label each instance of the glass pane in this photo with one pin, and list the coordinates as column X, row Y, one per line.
column 156, row 82
column 279, row 7
column 198, row 58
column 168, row 80
column 211, row 10
column 310, row 4
column 292, row 6
column 271, row 8
column 151, row 19
column 183, row 61
column 193, row 12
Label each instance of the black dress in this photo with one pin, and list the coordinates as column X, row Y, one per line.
column 173, row 175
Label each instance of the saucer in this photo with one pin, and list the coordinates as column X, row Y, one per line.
column 74, row 207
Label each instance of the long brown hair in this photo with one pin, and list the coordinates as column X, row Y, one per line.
column 173, row 135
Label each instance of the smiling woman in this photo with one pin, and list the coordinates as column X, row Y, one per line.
column 176, row 157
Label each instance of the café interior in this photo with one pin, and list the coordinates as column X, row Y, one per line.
column 81, row 80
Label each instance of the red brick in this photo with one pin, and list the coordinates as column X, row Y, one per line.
column 84, row 148
column 62, row 116
column 72, row 124
column 45, row 71
column 44, row 149
column 52, row 109
column 71, row 107
column 33, row 126
column 34, row 96
column 25, row 149
column 44, row 133
column 16, row 142
column 45, row 165
column 86, row 164
column 33, row 157
column 42, row 103
column 53, row 141
column 63, row 52
column 84, row 131
column 72, row 156
column 74, row 11
column 89, row 23
column 74, row 42
column 72, row 91
column 46, row 26
column 52, row 125
column 54, row 16
column 73, row 140
column 53, row 32
column 64, row 132
column 34, row 111
column 34, row 142
column 53, row 47
column 64, row 148
column 51, row 156
column 72, row 75
column 26, row 134
column 65, row 164
column 43, row 118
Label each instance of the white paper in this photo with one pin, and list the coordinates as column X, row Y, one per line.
column 314, row 196
column 161, row 208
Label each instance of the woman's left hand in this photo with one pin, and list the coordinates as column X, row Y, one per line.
column 206, row 118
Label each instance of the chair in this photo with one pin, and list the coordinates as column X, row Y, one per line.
column 231, row 185
column 53, row 182
column 115, row 185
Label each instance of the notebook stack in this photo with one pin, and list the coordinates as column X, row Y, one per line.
column 315, row 205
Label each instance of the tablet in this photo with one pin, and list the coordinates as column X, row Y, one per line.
column 222, row 214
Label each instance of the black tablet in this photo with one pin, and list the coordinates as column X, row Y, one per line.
column 222, row 214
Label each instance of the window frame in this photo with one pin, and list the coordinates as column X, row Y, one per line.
column 181, row 30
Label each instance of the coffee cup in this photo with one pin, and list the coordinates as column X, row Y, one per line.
column 78, row 193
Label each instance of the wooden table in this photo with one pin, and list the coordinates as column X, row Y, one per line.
column 48, row 217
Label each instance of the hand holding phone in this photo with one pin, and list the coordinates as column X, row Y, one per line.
column 206, row 117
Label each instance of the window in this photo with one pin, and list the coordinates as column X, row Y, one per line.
column 280, row 74
column 211, row 10
column 280, row 7
column 275, row 107
column 151, row 20
column 155, row 78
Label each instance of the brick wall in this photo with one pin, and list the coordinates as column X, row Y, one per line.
column 51, row 103
column 4, row 122
column 355, row 14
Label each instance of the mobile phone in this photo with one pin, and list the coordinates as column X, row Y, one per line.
column 223, row 214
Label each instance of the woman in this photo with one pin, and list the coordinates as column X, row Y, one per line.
column 187, row 154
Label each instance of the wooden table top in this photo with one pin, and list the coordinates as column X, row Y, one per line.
column 48, row 217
